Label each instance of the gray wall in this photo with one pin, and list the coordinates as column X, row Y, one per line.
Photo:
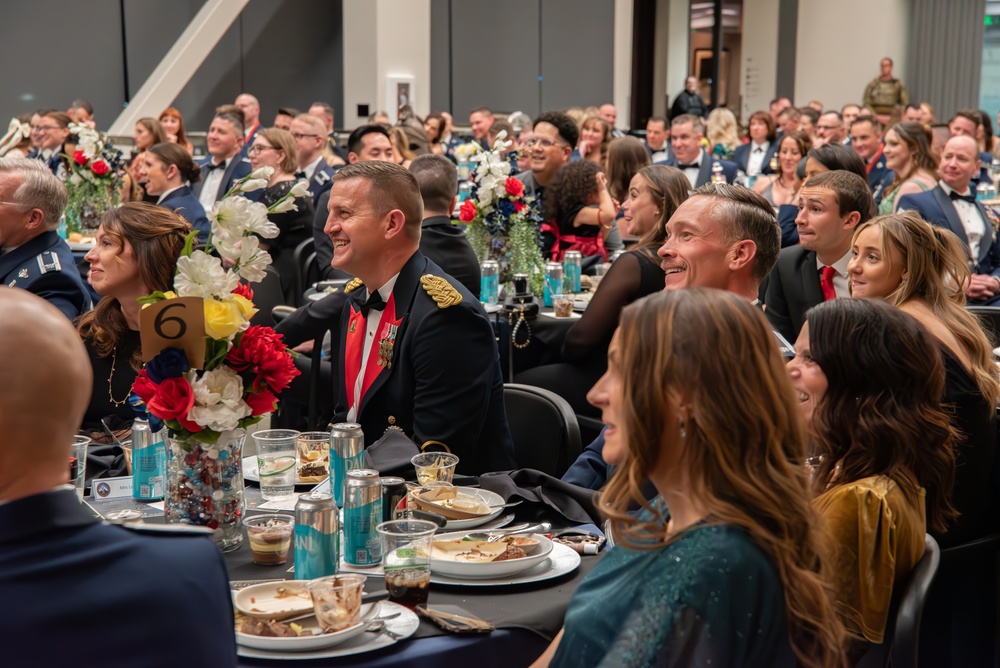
column 286, row 52
column 526, row 55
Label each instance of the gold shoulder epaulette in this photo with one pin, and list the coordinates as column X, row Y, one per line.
column 353, row 284
column 440, row 290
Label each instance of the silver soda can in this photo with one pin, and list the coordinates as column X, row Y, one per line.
column 362, row 513
column 347, row 451
column 489, row 284
column 317, row 536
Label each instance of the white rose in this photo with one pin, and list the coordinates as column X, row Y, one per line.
column 219, row 417
column 75, row 179
column 201, row 275
column 220, row 385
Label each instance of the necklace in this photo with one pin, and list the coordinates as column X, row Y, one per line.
column 114, row 357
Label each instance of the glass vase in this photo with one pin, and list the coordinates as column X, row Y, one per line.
column 204, row 485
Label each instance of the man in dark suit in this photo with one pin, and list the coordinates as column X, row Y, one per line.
column 831, row 206
column 73, row 577
column 866, row 142
column 952, row 204
column 724, row 237
column 686, row 133
column 658, row 140
column 309, row 134
column 967, row 123
column 417, row 352
column 225, row 163
column 32, row 254
column 440, row 240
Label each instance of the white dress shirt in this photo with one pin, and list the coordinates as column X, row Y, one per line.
column 210, row 187
column 841, row 285
column 692, row 172
column 660, row 154
column 310, row 169
column 371, row 329
column 756, row 160
column 972, row 221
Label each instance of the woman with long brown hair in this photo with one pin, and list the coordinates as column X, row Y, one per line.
column 724, row 567
column 135, row 253
column 921, row 269
column 626, row 156
column 595, row 136
column 908, row 154
column 869, row 380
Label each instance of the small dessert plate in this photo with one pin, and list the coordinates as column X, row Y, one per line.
column 274, row 600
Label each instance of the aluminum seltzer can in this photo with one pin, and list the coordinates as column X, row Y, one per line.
column 362, row 513
column 317, row 536
column 572, row 270
column 553, row 282
column 347, row 451
column 489, row 284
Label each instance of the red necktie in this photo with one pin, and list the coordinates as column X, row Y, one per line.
column 826, row 283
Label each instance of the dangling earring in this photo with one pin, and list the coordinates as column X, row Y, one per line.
column 680, row 423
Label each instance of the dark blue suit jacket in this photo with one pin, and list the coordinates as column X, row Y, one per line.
column 879, row 177
column 742, row 157
column 985, row 160
column 239, row 167
column 936, row 207
column 45, row 266
column 444, row 382
column 83, row 589
column 729, row 169
column 320, row 182
column 182, row 201
column 786, row 221
column 248, row 141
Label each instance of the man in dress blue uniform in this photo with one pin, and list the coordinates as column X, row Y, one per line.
column 686, row 132
column 79, row 591
column 225, row 163
column 723, row 237
column 417, row 351
column 952, row 204
column 865, row 140
column 309, row 133
column 32, row 254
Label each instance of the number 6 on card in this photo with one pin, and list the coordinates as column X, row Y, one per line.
column 174, row 323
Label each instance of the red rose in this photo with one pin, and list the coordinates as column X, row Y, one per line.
column 519, row 207
column 173, row 399
column 244, row 290
column 143, row 387
column 262, row 402
column 80, row 158
column 467, row 213
column 100, row 168
column 262, row 353
column 514, row 187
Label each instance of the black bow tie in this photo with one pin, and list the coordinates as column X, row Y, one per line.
column 373, row 303
column 758, row 150
column 300, row 175
column 693, row 165
column 211, row 165
column 965, row 198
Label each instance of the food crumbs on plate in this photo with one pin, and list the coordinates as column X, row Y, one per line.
column 253, row 599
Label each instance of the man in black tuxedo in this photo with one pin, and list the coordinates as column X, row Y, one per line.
column 440, row 240
column 831, row 205
column 658, row 140
column 952, row 204
column 225, row 163
column 967, row 123
column 686, row 133
column 67, row 577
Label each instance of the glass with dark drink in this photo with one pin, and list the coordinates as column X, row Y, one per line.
column 406, row 558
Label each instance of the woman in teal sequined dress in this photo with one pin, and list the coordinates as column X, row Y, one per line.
column 722, row 568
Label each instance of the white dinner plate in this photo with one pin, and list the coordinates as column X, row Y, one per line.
column 261, row 600
column 561, row 560
column 484, row 495
column 252, row 473
column 465, row 570
column 306, row 643
column 404, row 626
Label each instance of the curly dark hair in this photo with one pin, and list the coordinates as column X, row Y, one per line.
column 574, row 184
column 565, row 125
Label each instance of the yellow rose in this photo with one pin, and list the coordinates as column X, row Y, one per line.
column 246, row 306
column 222, row 318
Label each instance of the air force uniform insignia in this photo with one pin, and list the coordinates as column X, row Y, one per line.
column 23, row 273
column 48, row 261
column 321, row 178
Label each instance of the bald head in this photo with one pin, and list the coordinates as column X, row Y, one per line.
column 959, row 162
column 42, row 410
column 250, row 107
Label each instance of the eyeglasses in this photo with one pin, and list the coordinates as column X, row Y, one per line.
column 259, row 148
column 298, row 136
column 539, row 141
column 12, row 203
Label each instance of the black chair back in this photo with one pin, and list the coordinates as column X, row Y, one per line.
column 267, row 294
column 989, row 318
column 302, row 254
column 902, row 630
column 544, row 429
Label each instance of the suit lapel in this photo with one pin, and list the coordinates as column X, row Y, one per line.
column 705, row 171
column 987, row 241
column 948, row 209
column 227, row 177
column 811, row 288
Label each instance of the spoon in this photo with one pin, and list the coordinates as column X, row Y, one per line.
column 378, row 626
column 494, row 536
column 505, row 505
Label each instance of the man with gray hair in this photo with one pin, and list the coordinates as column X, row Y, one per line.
column 686, row 133
column 32, row 254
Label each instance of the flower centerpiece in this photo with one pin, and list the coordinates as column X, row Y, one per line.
column 498, row 216
column 94, row 180
column 207, row 410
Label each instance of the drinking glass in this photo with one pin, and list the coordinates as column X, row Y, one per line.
column 314, row 449
column 434, row 467
column 406, row 558
column 78, row 463
column 337, row 600
column 276, row 462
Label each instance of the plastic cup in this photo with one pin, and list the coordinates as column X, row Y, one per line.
column 313, row 452
column 406, row 559
column 562, row 306
column 337, row 600
column 127, row 451
column 276, row 462
column 434, row 467
column 270, row 538
column 78, row 464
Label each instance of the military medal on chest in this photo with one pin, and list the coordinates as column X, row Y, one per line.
column 385, row 346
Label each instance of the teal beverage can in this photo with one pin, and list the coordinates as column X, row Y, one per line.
column 362, row 513
column 317, row 536
column 347, row 452
column 149, row 460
